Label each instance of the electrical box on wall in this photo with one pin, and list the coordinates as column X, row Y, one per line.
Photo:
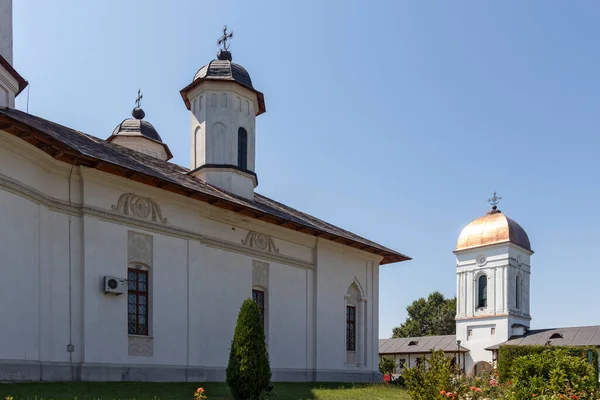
column 114, row 285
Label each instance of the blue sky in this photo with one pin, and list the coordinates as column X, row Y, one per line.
column 396, row 120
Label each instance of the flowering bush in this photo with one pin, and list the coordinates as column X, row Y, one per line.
column 199, row 394
column 552, row 375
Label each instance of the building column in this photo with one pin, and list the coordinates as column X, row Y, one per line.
column 360, row 342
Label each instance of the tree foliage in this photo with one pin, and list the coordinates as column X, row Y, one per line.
column 432, row 316
column 248, row 373
column 386, row 365
column 428, row 380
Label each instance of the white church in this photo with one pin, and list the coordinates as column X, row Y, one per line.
column 118, row 265
column 493, row 276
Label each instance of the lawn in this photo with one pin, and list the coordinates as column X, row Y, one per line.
column 214, row 391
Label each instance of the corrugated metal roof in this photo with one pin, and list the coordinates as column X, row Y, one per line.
column 420, row 344
column 573, row 336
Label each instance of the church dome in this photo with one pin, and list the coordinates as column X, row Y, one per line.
column 492, row 228
column 222, row 69
column 140, row 135
column 136, row 126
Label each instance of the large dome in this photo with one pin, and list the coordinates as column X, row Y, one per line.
column 492, row 228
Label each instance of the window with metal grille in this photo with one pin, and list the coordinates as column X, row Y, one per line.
column 137, row 301
column 482, row 292
column 259, row 297
column 350, row 328
column 242, row 148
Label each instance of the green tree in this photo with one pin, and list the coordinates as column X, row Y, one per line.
column 426, row 317
column 386, row 365
column 248, row 373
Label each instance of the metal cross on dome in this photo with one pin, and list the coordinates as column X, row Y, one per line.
column 494, row 200
column 223, row 39
column 138, row 101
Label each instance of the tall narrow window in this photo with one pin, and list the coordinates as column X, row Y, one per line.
column 259, row 297
column 518, row 292
column 350, row 328
column 137, row 302
column 482, row 292
column 242, row 148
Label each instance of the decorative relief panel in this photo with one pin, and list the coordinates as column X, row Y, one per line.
column 140, row 346
column 260, row 274
column 260, row 241
column 139, row 248
column 141, row 207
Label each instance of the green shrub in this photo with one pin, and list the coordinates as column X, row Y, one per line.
column 248, row 373
column 386, row 365
column 427, row 380
column 507, row 354
column 552, row 372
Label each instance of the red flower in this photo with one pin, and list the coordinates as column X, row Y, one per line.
column 574, row 397
column 200, row 390
column 442, row 392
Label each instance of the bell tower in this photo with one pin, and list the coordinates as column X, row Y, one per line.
column 492, row 283
column 223, row 107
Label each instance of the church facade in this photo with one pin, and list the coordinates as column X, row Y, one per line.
column 116, row 264
column 493, row 279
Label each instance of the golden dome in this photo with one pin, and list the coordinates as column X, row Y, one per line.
column 492, row 228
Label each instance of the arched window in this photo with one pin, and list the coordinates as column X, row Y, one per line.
column 482, row 291
column 242, row 148
column 518, row 292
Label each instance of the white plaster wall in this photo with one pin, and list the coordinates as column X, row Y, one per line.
column 336, row 270
column 197, row 288
column 6, row 30
column 287, row 317
column 142, row 145
column 19, row 277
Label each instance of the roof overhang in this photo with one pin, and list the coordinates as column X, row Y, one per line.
column 68, row 154
column 184, row 92
column 22, row 83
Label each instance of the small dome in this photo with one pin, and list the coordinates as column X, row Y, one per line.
column 137, row 127
column 225, row 70
column 492, row 228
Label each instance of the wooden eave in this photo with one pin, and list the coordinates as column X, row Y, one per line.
column 68, row 154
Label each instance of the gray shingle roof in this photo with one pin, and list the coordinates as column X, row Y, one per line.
column 225, row 70
column 573, row 336
column 424, row 344
column 73, row 146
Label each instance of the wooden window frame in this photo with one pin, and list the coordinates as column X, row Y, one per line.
column 138, row 330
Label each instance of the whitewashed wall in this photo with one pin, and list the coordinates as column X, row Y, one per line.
column 202, row 270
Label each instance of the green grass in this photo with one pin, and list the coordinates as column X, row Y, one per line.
column 175, row 391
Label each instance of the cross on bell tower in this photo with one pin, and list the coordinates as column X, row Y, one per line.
column 223, row 39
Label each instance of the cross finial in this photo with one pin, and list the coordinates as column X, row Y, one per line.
column 223, row 39
column 494, row 200
column 138, row 101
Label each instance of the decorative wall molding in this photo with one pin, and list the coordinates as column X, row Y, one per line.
column 142, row 207
column 140, row 346
column 260, row 274
column 260, row 241
column 76, row 209
column 139, row 248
